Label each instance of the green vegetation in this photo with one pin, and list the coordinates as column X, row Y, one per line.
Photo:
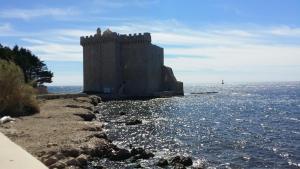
column 20, row 72
column 35, row 71
column 16, row 97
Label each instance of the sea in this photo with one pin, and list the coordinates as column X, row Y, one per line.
column 239, row 125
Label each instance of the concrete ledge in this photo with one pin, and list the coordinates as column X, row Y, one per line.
column 60, row 96
column 13, row 156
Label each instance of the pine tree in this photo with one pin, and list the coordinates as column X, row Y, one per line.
column 35, row 71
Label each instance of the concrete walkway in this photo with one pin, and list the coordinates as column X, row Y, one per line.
column 13, row 156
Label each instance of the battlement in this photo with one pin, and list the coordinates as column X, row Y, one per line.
column 108, row 35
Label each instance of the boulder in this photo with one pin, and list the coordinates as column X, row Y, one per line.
column 82, row 99
column 51, row 144
column 99, row 135
column 119, row 154
column 179, row 166
column 98, row 166
column 96, row 111
column 162, row 162
column 136, row 151
column 137, row 165
column 186, row 161
column 72, row 106
column 93, row 128
column 70, row 161
column 41, row 153
column 97, row 147
column 59, row 155
column 48, row 154
column 58, row 165
column 86, row 116
column 95, row 100
column 140, row 153
column 49, row 161
column 133, row 122
column 122, row 113
column 79, row 106
column 69, row 151
column 83, row 159
column 73, row 167
column 145, row 155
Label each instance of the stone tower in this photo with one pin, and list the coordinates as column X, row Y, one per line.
column 125, row 66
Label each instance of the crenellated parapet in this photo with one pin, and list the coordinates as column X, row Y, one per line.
column 108, row 36
column 135, row 38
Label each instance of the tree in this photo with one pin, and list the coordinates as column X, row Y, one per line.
column 5, row 53
column 35, row 71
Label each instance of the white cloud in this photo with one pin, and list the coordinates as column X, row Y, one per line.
column 236, row 32
column 120, row 3
column 225, row 58
column 74, row 33
column 5, row 29
column 57, row 51
column 27, row 14
column 33, row 41
column 245, row 47
column 285, row 31
column 242, row 52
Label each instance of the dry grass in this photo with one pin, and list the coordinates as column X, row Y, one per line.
column 16, row 97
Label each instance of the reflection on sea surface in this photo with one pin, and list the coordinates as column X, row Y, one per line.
column 241, row 126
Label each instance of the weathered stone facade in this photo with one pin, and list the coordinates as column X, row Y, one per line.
column 126, row 66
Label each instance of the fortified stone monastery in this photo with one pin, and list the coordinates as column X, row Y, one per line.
column 126, row 66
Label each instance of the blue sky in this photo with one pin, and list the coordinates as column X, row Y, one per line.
column 204, row 41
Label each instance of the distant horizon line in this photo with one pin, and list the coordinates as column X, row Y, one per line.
column 195, row 83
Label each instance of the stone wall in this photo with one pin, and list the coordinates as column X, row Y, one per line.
column 110, row 67
column 91, row 68
column 142, row 65
column 154, row 68
column 134, row 59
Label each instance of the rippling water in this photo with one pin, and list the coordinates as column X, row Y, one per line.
column 242, row 126
column 64, row 89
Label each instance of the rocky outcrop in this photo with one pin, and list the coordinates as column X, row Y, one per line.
column 86, row 116
column 162, row 162
column 119, row 154
column 78, row 154
column 186, row 161
column 95, row 100
column 140, row 153
column 99, row 135
column 97, row 147
column 170, row 83
column 80, row 106
column 133, row 122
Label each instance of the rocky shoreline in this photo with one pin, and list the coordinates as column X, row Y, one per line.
column 78, row 137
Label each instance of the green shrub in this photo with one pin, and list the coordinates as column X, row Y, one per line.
column 16, row 97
